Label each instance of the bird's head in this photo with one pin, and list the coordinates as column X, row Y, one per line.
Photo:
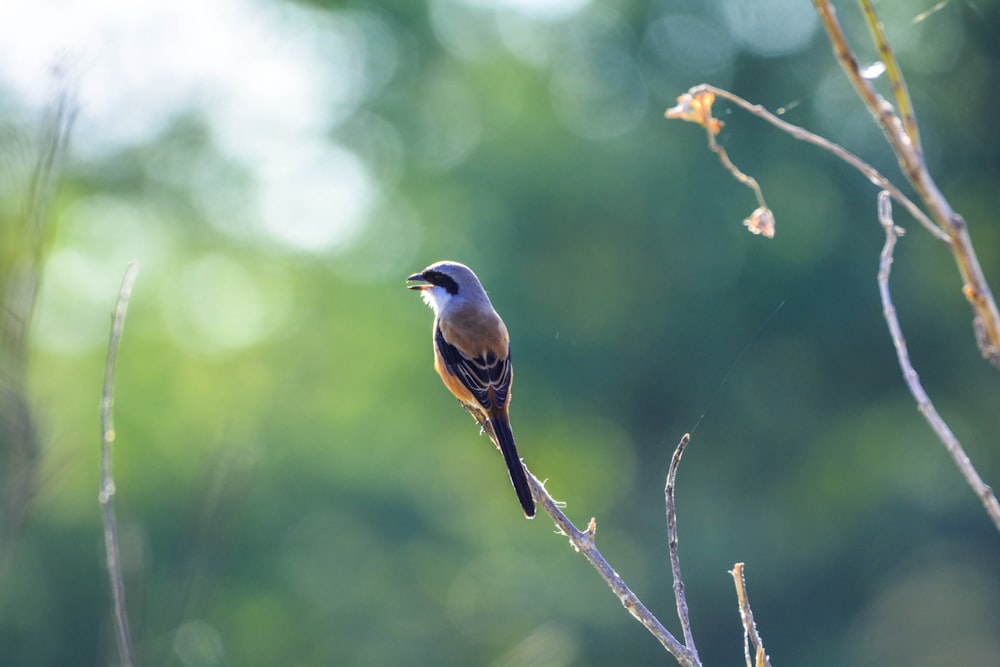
column 443, row 281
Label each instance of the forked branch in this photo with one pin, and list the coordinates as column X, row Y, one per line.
column 583, row 542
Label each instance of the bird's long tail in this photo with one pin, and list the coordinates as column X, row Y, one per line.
column 505, row 441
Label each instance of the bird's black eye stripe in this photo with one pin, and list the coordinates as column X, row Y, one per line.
column 441, row 280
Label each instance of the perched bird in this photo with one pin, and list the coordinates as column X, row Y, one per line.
column 472, row 356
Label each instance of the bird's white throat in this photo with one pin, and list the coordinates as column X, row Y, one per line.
column 435, row 297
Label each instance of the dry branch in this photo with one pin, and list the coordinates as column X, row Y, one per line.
column 583, row 542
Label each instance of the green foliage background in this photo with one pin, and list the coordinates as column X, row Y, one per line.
column 295, row 486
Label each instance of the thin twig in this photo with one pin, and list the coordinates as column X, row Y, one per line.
column 675, row 563
column 583, row 542
column 924, row 405
column 745, row 179
column 696, row 107
column 751, row 637
column 107, row 482
column 802, row 134
column 986, row 322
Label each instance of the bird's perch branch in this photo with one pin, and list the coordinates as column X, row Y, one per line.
column 583, row 542
column 107, row 491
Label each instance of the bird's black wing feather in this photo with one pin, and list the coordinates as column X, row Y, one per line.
column 478, row 374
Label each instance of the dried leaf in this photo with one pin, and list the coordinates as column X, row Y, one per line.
column 697, row 108
column 761, row 221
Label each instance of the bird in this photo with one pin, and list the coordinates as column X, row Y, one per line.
column 472, row 356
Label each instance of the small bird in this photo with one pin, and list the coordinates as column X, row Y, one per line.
column 472, row 356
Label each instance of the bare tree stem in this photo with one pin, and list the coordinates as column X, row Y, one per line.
column 107, row 491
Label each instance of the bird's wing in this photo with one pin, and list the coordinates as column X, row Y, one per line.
column 487, row 376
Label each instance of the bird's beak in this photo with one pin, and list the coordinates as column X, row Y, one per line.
column 421, row 286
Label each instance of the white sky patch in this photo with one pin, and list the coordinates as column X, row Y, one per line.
column 270, row 79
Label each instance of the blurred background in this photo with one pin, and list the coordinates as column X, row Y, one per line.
column 294, row 484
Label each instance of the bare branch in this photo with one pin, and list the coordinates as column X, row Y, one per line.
column 751, row 637
column 107, row 482
column 675, row 564
column 924, row 405
column 583, row 542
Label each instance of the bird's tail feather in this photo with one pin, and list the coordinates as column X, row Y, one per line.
column 505, row 441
